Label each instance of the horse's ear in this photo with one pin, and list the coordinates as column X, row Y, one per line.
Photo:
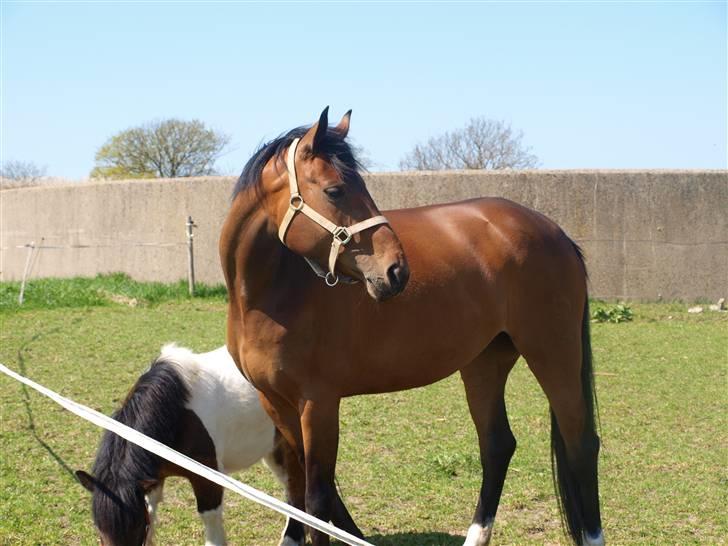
column 148, row 485
column 343, row 127
column 87, row 480
column 316, row 134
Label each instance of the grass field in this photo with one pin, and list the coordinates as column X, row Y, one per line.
column 408, row 465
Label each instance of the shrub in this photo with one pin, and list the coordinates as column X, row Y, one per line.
column 615, row 314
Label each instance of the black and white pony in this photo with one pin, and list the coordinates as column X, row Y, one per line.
column 202, row 406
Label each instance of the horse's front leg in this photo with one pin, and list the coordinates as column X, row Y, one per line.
column 286, row 461
column 320, row 428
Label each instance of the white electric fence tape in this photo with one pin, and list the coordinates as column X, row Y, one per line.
column 179, row 459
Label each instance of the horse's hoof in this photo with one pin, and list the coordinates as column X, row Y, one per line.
column 478, row 535
column 595, row 540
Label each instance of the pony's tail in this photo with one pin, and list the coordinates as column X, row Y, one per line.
column 575, row 481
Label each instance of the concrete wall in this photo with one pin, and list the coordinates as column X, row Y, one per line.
column 646, row 234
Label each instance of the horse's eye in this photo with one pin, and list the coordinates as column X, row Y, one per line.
column 334, row 192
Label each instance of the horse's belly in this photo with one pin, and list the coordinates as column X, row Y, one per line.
column 412, row 369
column 422, row 339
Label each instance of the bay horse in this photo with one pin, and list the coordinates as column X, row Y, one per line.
column 200, row 405
column 477, row 284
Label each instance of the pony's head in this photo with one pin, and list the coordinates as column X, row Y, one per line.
column 124, row 473
column 315, row 197
column 120, row 511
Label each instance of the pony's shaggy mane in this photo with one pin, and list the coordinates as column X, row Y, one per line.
column 153, row 407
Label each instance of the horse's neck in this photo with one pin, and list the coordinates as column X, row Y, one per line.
column 254, row 259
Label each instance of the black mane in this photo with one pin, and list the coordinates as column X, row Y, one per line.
column 334, row 148
column 153, row 407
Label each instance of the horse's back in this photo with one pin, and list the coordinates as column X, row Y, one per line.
column 468, row 218
column 226, row 404
column 524, row 270
column 493, row 236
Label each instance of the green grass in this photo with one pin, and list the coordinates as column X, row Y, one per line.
column 408, row 464
column 102, row 290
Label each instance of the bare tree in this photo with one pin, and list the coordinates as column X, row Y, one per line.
column 362, row 155
column 22, row 171
column 482, row 144
column 161, row 149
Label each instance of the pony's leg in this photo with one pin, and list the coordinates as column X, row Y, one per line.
column 154, row 497
column 485, row 380
column 562, row 365
column 320, row 427
column 209, row 507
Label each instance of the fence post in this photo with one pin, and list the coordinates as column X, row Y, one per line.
column 31, row 248
column 190, row 256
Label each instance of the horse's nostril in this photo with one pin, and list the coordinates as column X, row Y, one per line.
column 392, row 275
column 397, row 276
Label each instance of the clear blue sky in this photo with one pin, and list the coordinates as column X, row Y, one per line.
column 592, row 85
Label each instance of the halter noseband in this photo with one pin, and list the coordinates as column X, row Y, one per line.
column 340, row 235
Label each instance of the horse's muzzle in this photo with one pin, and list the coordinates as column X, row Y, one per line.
column 381, row 288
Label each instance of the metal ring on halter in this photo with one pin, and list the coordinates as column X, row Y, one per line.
column 296, row 197
column 342, row 234
column 330, row 275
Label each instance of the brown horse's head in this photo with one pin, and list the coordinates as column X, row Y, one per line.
column 330, row 185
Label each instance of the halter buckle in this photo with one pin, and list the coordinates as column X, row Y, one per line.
column 296, row 201
column 332, row 279
column 342, row 234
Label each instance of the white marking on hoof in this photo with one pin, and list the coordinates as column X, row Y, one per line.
column 479, row 535
column 596, row 540
column 214, row 529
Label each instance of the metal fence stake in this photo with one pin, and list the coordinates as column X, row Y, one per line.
column 31, row 248
column 190, row 256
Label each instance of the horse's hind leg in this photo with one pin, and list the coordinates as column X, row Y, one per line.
column 562, row 365
column 209, row 507
column 485, row 380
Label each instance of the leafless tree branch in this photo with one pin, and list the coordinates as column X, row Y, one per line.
column 482, row 144
column 22, row 171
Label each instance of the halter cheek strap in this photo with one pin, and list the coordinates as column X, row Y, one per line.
column 340, row 235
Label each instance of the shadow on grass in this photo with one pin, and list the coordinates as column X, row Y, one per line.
column 29, row 410
column 416, row 539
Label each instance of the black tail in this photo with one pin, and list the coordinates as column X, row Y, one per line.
column 575, row 479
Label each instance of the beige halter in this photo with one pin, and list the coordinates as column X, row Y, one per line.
column 341, row 235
